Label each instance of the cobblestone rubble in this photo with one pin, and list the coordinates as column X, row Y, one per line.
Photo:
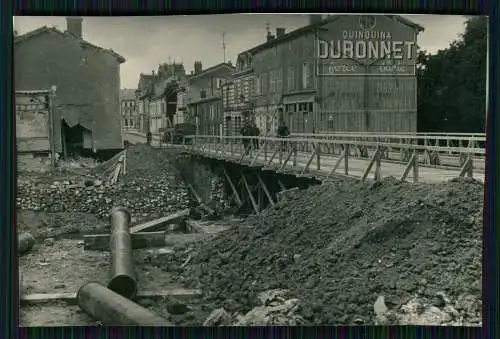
column 151, row 188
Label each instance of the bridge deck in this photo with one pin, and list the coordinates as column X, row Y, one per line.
column 356, row 166
column 231, row 149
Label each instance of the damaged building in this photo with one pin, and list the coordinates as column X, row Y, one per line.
column 87, row 77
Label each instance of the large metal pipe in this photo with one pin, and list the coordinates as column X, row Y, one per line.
column 113, row 309
column 123, row 279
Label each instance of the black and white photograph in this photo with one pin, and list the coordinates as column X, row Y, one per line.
column 250, row 169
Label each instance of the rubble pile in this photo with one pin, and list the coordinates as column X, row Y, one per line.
column 149, row 188
column 339, row 247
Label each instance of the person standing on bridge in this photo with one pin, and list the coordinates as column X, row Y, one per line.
column 149, row 138
column 255, row 132
column 246, row 131
column 283, row 132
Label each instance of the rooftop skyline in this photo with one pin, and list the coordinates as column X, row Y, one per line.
column 147, row 42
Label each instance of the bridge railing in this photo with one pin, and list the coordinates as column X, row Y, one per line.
column 447, row 140
column 309, row 151
column 392, row 149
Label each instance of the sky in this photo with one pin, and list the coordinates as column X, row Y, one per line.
column 148, row 41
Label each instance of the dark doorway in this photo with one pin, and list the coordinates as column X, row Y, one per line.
column 77, row 141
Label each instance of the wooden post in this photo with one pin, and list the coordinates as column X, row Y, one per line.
column 375, row 159
column 467, row 168
column 233, row 188
column 413, row 163
column 52, row 112
column 266, row 191
column 346, row 159
column 337, row 163
column 265, row 150
column 309, row 161
column 252, row 199
column 318, row 156
column 294, row 149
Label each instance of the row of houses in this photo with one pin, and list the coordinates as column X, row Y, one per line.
column 352, row 73
column 169, row 96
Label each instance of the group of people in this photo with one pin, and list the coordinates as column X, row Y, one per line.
column 250, row 129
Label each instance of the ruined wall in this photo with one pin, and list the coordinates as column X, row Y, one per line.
column 87, row 80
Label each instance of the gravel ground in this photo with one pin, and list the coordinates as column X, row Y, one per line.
column 339, row 246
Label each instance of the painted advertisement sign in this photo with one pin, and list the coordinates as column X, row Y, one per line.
column 32, row 123
column 366, row 45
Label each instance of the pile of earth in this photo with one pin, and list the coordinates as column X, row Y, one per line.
column 150, row 188
column 340, row 246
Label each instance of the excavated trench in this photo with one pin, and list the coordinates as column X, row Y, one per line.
column 325, row 253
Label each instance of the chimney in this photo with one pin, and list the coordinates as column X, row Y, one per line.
column 197, row 67
column 280, row 32
column 314, row 18
column 269, row 36
column 74, row 26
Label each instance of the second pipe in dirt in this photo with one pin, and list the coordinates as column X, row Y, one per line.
column 123, row 280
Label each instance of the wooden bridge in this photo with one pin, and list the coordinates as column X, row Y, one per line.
column 360, row 157
column 411, row 157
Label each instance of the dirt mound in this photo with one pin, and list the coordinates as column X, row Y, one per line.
column 143, row 160
column 339, row 246
column 149, row 189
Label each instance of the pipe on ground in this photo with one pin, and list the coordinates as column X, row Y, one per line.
column 113, row 309
column 123, row 280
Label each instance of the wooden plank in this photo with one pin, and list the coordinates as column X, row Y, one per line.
column 100, row 242
column 38, row 298
column 154, row 224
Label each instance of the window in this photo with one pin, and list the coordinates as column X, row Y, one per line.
column 291, row 78
column 272, row 81
column 264, row 79
column 237, row 89
column 306, row 75
column 258, row 85
column 218, row 82
column 279, row 80
column 211, row 110
column 126, row 123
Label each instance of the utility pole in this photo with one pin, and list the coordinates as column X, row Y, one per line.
column 224, row 45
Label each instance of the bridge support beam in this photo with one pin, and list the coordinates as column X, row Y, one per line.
column 375, row 160
column 233, row 188
column 266, row 191
column 250, row 195
column 467, row 168
column 413, row 163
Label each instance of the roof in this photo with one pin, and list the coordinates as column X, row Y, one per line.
column 39, row 31
column 211, row 69
column 306, row 29
column 127, row 94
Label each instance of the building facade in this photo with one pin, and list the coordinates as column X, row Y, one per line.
column 129, row 108
column 87, row 78
column 157, row 95
column 238, row 94
column 204, row 97
column 343, row 73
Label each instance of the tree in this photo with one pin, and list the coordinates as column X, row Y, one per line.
column 452, row 83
